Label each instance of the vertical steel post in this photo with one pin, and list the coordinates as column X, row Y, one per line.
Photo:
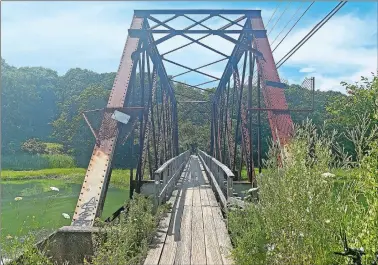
column 212, row 131
column 225, row 124
column 250, row 79
column 141, row 136
column 152, row 85
column 239, row 103
column 258, row 123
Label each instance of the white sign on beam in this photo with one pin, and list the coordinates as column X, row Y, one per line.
column 121, row 117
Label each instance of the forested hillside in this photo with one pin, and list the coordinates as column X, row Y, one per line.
column 38, row 103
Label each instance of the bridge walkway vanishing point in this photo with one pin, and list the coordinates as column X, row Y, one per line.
column 194, row 231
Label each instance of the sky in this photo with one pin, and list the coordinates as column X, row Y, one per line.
column 92, row 35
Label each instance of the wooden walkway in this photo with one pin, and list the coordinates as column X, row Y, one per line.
column 194, row 232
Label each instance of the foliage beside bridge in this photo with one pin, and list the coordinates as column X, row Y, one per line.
column 38, row 103
column 303, row 206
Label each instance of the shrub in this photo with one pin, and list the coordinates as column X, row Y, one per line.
column 126, row 243
column 54, row 148
column 301, row 210
column 34, row 146
column 60, row 161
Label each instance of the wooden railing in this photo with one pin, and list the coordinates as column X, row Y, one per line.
column 220, row 177
column 167, row 175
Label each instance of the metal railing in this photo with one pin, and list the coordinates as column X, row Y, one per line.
column 220, row 177
column 167, row 175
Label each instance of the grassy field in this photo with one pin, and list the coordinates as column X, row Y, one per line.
column 26, row 161
column 42, row 208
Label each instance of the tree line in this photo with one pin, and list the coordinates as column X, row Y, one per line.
column 36, row 102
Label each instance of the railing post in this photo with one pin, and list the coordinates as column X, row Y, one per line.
column 165, row 180
column 157, row 191
column 230, row 188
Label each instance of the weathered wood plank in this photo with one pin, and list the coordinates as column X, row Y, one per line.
column 196, row 196
column 157, row 245
column 211, row 196
column 198, row 256
column 170, row 246
column 204, row 196
column 184, row 245
column 206, row 180
column 213, row 255
column 223, row 237
column 197, row 233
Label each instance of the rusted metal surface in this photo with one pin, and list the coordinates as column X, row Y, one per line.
column 94, row 188
column 281, row 123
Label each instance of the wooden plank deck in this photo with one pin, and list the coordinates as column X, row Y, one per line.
column 194, row 232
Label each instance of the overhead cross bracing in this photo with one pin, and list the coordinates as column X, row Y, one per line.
column 144, row 90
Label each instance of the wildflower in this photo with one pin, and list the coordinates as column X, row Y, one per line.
column 328, row 175
column 54, row 188
column 9, row 237
column 18, row 198
column 270, row 247
column 307, row 210
column 66, row 216
column 301, row 234
column 327, row 221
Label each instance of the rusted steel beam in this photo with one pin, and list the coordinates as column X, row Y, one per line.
column 281, row 124
column 214, row 12
column 207, row 35
column 217, row 61
column 90, row 125
column 281, row 110
column 94, row 188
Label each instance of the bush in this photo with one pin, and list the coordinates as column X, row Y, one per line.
column 34, row 146
column 301, row 210
column 60, row 161
column 126, row 243
column 54, row 148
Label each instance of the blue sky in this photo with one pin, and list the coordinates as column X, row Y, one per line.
column 91, row 35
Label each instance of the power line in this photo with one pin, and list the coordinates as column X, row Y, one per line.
column 270, row 30
column 294, row 25
column 311, row 33
column 272, row 14
column 279, row 34
column 283, row 12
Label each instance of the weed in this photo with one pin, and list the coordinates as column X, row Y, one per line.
column 301, row 209
column 126, row 242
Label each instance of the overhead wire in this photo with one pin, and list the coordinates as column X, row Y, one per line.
column 310, row 34
column 294, row 25
column 270, row 19
column 297, row 21
column 283, row 12
column 295, row 13
column 275, row 10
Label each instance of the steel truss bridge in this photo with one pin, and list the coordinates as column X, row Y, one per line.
column 142, row 106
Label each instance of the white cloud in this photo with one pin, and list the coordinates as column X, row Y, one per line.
column 92, row 35
column 307, row 70
column 343, row 50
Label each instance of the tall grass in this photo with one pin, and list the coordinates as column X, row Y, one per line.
column 126, row 242
column 301, row 211
column 35, row 162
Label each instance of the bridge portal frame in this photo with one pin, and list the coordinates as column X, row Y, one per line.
column 158, row 126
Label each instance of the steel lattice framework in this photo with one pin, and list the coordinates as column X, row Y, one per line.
column 143, row 90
